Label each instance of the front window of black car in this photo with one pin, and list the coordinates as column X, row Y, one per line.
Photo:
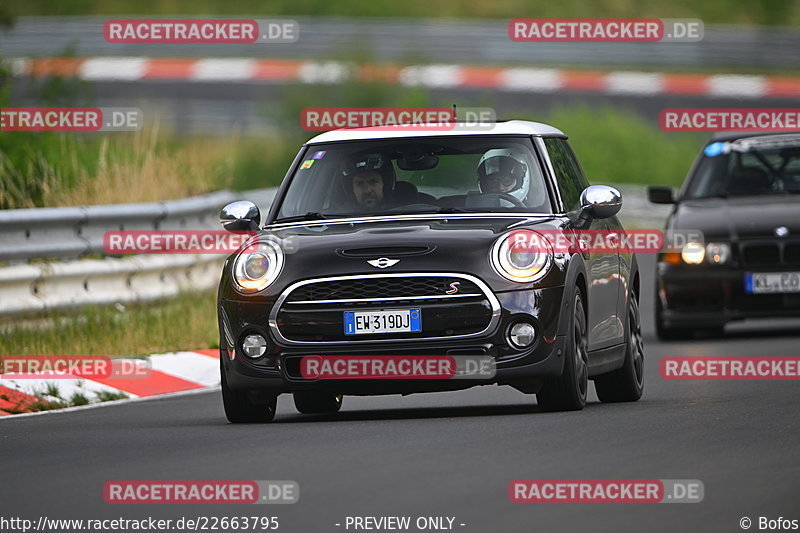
column 417, row 175
column 746, row 171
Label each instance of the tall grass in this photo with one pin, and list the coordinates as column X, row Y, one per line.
column 59, row 170
column 617, row 146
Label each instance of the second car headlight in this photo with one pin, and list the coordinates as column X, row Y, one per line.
column 718, row 253
column 522, row 256
column 257, row 266
column 693, row 253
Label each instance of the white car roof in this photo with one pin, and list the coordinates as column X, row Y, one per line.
column 511, row 127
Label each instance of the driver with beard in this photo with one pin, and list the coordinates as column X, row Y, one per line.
column 372, row 184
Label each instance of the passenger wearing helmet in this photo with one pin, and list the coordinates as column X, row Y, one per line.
column 500, row 171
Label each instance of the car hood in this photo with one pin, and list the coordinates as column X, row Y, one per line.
column 738, row 218
column 433, row 244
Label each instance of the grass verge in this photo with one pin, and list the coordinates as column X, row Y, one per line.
column 186, row 322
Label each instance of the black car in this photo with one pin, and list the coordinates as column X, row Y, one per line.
column 742, row 198
column 392, row 244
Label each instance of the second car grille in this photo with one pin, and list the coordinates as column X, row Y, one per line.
column 758, row 254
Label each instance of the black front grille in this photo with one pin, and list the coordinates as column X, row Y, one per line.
column 314, row 312
column 761, row 254
column 382, row 287
column 791, row 254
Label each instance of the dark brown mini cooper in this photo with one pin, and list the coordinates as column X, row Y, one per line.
column 396, row 247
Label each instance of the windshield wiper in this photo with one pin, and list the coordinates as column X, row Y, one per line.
column 311, row 215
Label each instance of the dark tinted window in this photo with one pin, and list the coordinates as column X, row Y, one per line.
column 763, row 168
column 569, row 174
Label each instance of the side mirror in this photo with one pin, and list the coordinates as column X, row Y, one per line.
column 240, row 216
column 599, row 201
column 660, row 195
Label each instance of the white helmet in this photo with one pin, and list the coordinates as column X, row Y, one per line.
column 505, row 163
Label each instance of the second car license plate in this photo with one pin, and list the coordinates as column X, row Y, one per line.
column 383, row 321
column 772, row 282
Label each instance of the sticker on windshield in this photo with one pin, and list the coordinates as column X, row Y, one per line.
column 307, row 164
column 319, row 155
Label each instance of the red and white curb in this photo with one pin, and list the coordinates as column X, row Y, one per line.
column 536, row 80
column 169, row 373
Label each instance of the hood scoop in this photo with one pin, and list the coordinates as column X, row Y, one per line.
column 386, row 251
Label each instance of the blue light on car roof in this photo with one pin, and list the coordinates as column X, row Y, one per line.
column 717, row 148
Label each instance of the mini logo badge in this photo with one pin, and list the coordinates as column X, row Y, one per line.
column 453, row 288
column 782, row 231
column 383, row 262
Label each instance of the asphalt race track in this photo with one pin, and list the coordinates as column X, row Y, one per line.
column 450, row 454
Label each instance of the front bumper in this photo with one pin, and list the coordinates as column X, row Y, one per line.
column 277, row 372
column 693, row 296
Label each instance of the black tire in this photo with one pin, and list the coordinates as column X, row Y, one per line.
column 239, row 409
column 627, row 383
column 663, row 332
column 314, row 403
column 568, row 392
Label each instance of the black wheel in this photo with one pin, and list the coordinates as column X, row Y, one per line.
column 568, row 392
column 313, row 402
column 627, row 383
column 239, row 409
column 663, row 332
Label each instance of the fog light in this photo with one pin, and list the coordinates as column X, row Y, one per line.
column 521, row 335
column 254, row 346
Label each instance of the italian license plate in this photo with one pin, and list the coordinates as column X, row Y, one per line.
column 383, row 321
column 772, row 283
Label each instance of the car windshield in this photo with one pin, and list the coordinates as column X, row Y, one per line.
column 747, row 168
column 419, row 175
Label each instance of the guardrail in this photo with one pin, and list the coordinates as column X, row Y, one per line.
column 437, row 40
column 71, row 232
column 67, row 233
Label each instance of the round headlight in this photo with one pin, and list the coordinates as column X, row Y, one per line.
column 693, row 253
column 718, row 253
column 257, row 266
column 522, row 256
